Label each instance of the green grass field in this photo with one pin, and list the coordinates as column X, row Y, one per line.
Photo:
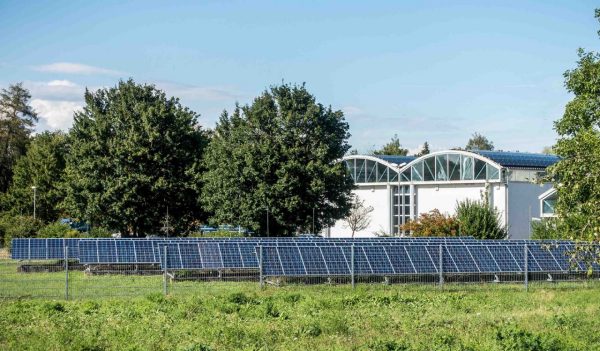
column 241, row 316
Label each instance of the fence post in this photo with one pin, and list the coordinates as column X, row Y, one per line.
column 352, row 265
column 526, row 268
column 441, row 265
column 165, row 291
column 66, row 272
column 261, row 280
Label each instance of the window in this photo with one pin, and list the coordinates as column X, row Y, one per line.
column 493, row 173
column 417, row 172
column 400, row 207
column 360, row 171
column 453, row 167
column 480, row 169
column 371, row 171
column 467, row 167
column 429, row 169
column 382, row 173
column 441, row 167
column 548, row 206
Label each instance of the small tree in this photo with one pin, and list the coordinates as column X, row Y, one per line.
column 359, row 217
column 433, row 223
column 478, row 219
column 479, row 142
column 392, row 148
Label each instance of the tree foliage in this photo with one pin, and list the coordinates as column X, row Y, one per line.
column 577, row 174
column 424, row 150
column 278, row 156
column 478, row 219
column 433, row 223
column 479, row 142
column 134, row 153
column 392, row 148
column 43, row 167
column 359, row 217
column 17, row 119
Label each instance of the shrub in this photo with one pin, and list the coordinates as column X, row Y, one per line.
column 513, row 338
column 57, row 230
column 479, row 220
column 433, row 223
column 99, row 232
column 18, row 227
column 547, row 228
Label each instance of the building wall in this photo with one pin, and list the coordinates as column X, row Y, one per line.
column 523, row 204
column 444, row 196
column 377, row 196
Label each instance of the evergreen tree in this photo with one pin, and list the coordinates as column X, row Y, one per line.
column 135, row 154
column 17, row 119
column 278, row 158
column 42, row 167
column 424, row 151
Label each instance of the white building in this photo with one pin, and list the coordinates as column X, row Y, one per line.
column 399, row 188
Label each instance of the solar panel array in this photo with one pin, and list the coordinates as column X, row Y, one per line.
column 519, row 159
column 413, row 259
column 312, row 256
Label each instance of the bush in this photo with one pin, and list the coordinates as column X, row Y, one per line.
column 547, row 228
column 18, row 227
column 57, row 230
column 479, row 220
column 99, row 232
column 433, row 223
column 513, row 338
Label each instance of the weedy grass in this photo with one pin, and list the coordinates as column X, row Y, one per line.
column 241, row 316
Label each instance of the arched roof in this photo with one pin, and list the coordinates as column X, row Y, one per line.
column 442, row 166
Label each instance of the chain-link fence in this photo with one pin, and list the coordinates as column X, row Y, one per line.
column 184, row 267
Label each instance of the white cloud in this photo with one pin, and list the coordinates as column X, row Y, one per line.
column 76, row 68
column 55, row 90
column 193, row 92
column 55, row 114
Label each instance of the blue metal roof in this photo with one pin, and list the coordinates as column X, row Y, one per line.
column 397, row 159
column 519, row 159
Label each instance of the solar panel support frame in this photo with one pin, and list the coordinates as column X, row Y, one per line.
column 261, row 278
column 66, row 272
column 352, row 266
column 441, row 266
column 526, row 268
column 165, row 290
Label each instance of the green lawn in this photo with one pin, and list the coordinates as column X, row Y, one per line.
column 232, row 316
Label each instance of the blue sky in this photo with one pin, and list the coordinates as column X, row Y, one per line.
column 427, row 71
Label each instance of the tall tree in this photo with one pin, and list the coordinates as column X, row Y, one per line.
column 134, row 156
column 43, row 167
column 392, row 148
column 424, row 150
column 479, row 142
column 577, row 174
column 17, row 119
column 278, row 159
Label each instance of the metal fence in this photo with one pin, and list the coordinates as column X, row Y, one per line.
column 184, row 271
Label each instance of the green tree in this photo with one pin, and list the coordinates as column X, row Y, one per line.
column 577, row 174
column 17, row 119
column 134, row 156
column 278, row 157
column 424, row 150
column 479, row 142
column 478, row 219
column 392, row 148
column 43, row 167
